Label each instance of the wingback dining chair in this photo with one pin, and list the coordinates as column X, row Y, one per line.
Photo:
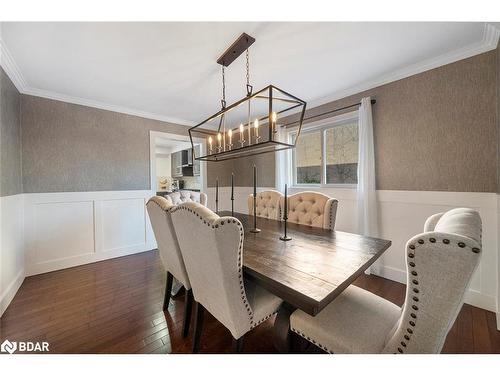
column 159, row 210
column 268, row 204
column 214, row 263
column 312, row 208
column 440, row 264
column 182, row 196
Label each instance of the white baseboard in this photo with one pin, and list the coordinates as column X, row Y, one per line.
column 10, row 291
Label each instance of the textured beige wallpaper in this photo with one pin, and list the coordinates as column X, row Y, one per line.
column 436, row 130
column 10, row 138
column 69, row 147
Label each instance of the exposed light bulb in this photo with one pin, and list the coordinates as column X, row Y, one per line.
column 241, row 128
column 256, row 123
column 230, row 133
column 274, row 117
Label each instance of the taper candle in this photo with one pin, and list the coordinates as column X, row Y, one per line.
column 230, row 135
column 254, row 229
column 256, row 126
column 232, row 194
column 217, row 194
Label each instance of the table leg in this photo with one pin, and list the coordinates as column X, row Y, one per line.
column 282, row 328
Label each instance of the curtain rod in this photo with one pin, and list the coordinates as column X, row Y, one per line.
column 373, row 101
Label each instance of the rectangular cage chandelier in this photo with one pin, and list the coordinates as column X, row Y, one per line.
column 250, row 125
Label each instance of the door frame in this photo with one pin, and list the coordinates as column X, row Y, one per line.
column 153, row 135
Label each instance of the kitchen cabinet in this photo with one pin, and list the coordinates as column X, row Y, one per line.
column 176, row 160
column 196, row 163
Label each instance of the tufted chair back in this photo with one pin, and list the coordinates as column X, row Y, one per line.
column 268, row 204
column 212, row 248
column 440, row 264
column 182, row 196
column 159, row 210
column 313, row 209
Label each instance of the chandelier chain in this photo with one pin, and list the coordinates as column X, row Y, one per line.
column 223, row 101
column 248, row 67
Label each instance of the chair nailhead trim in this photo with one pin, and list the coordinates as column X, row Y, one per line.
column 412, row 247
column 323, row 347
column 475, row 250
column 432, row 240
column 461, row 244
column 414, row 273
column 240, row 256
column 415, row 290
column 446, row 241
column 420, row 241
column 413, row 315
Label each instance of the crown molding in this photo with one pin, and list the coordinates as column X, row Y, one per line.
column 11, row 69
column 106, row 106
column 490, row 39
column 491, row 36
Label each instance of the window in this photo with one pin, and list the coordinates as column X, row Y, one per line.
column 327, row 154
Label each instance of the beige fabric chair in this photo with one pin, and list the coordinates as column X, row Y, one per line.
column 313, row 209
column 268, row 204
column 159, row 210
column 182, row 196
column 440, row 264
column 212, row 249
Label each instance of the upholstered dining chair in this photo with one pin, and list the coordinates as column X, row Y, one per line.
column 214, row 263
column 159, row 210
column 268, row 204
column 312, row 208
column 440, row 264
column 182, row 196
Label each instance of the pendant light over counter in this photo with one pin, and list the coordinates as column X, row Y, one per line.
column 250, row 125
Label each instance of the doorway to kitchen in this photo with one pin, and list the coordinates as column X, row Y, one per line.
column 172, row 165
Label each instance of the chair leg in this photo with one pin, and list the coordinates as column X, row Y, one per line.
column 238, row 344
column 188, row 303
column 168, row 291
column 198, row 325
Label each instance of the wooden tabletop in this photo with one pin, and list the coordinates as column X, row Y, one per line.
column 313, row 268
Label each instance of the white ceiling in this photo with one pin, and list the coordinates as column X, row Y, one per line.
column 168, row 70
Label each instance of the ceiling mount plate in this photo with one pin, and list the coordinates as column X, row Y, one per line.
column 236, row 49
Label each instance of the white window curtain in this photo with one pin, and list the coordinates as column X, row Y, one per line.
column 366, row 194
column 281, row 158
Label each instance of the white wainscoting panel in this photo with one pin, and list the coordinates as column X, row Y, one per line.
column 401, row 216
column 122, row 223
column 64, row 225
column 12, row 270
column 69, row 229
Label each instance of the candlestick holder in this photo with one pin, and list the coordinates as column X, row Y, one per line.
column 285, row 237
column 242, row 142
column 255, row 229
column 230, row 146
column 257, row 139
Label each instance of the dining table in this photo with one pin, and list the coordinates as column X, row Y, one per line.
column 309, row 271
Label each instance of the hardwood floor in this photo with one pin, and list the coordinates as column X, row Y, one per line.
column 115, row 306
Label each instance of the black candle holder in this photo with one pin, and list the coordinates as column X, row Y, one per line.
column 285, row 237
column 217, row 196
column 232, row 194
column 254, row 229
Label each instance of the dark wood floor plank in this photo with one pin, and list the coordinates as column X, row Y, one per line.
column 115, row 306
